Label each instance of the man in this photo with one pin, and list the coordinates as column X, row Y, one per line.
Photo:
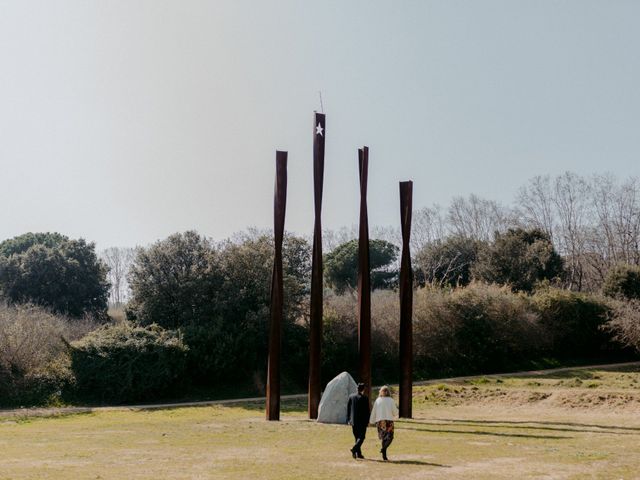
column 358, row 418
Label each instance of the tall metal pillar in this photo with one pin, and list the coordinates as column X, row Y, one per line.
column 364, row 277
column 315, row 330
column 277, row 290
column 406, row 303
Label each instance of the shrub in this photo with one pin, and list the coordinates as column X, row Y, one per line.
column 123, row 363
column 479, row 328
column 623, row 281
column 476, row 329
column 34, row 361
column 625, row 323
column 385, row 335
column 339, row 337
column 572, row 322
column 447, row 262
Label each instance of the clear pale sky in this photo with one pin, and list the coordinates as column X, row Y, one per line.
column 125, row 121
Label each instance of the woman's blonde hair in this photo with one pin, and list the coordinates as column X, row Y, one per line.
column 384, row 392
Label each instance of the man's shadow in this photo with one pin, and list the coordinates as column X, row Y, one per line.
column 407, row 462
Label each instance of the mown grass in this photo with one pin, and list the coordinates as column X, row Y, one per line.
column 466, row 430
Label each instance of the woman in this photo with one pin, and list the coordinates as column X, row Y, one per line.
column 383, row 413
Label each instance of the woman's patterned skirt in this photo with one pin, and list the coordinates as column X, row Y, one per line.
column 385, row 432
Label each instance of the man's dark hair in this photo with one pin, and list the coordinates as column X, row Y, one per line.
column 361, row 387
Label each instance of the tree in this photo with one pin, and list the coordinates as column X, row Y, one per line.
column 427, row 226
column 623, row 281
column 341, row 265
column 571, row 199
column 536, row 205
column 175, row 282
column 219, row 297
column 51, row 270
column 519, row 258
column 119, row 260
column 477, row 218
column 616, row 233
column 593, row 222
column 447, row 262
column 245, row 300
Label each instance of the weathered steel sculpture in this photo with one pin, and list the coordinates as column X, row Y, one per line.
column 277, row 290
column 364, row 278
column 315, row 331
column 406, row 303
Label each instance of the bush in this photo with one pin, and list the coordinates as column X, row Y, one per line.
column 54, row 271
column 572, row 322
column 385, row 336
column 339, row 337
column 476, row 329
column 447, row 262
column 623, row 281
column 124, row 363
column 34, row 361
column 480, row 328
column 625, row 323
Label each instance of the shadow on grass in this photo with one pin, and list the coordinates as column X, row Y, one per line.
column 402, row 425
column 286, row 406
column 408, row 462
column 523, row 423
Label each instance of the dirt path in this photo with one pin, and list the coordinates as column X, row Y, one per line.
column 46, row 412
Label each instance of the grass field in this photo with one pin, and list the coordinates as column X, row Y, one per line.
column 573, row 425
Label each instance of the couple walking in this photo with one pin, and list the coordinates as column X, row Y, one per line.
column 382, row 414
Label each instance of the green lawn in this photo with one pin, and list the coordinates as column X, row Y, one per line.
column 582, row 424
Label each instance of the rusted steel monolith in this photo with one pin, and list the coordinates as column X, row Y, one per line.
column 364, row 278
column 277, row 290
column 315, row 327
column 406, row 303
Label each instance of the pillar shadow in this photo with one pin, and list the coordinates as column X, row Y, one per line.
column 481, row 432
column 547, row 425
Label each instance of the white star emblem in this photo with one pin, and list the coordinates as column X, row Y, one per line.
column 319, row 129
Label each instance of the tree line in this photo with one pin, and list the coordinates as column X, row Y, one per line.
column 497, row 288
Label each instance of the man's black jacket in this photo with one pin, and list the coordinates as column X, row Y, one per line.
column 358, row 410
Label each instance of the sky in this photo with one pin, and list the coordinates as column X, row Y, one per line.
column 124, row 121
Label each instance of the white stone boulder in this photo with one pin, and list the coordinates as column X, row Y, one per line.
column 333, row 404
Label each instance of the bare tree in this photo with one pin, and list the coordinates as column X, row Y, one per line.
column 428, row 226
column 535, row 203
column 119, row 260
column 628, row 224
column 571, row 201
column 615, row 235
column 389, row 234
column 333, row 238
column 477, row 218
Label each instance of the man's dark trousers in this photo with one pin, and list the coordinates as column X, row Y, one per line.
column 358, row 417
column 359, row 433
